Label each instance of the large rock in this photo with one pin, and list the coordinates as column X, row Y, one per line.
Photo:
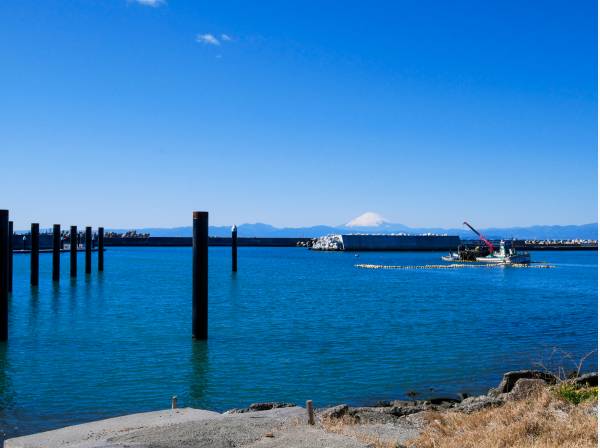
column 384, row 415
column 255, row 407
column 443, row 402
column 510, row 379
column 376, row 414
column 472, row 404
column 334, row 412
column 525, row 388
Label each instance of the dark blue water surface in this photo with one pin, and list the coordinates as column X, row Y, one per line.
column 291, row 325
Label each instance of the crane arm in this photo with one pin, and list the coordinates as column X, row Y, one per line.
column 481, row 237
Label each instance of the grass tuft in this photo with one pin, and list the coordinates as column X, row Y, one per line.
column 540, row 421
column 576, row 394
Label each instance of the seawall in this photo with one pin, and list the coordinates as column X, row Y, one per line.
column 168, row 241
column 21, row 244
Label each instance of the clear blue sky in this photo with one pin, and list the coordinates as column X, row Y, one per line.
column 134, row 113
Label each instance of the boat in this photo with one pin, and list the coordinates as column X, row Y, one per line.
column 504, row 256
column 500, row 256
column 452, row 256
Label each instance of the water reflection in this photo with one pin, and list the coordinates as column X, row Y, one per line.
column 35, row 304
column 100, row 286
column 7, row 395
column 200, row 368
column 55, row 297
column 72, row 293
column 6, row 389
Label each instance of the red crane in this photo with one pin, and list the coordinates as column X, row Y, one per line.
column 481, row 237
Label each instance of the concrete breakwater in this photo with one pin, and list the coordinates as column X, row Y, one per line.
column 386, row 242
column 167, row 241
column 449, row 243
column 22, row 243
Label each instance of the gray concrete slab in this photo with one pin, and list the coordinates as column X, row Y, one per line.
column 96, row 434
column 195, row 428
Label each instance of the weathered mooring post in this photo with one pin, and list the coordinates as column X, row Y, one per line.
column 56, row 252
column 73, row 250
column 310, row 411
column 10, row 255
column 3, row 275
column 100, row 249
column 234, row 249
column 88, row 250
column 200, row 275
column 35, row 253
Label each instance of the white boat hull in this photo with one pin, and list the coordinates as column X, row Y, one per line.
column 514, row 259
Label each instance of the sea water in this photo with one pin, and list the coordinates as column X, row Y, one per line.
column 291, row 325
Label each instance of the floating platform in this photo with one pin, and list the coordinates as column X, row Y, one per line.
column 455, row 266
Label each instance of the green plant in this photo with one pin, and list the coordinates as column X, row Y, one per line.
column 576, row 394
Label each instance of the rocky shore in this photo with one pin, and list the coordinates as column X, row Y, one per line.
column 394, row 423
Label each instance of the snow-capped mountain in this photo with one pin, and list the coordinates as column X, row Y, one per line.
column 368, row 219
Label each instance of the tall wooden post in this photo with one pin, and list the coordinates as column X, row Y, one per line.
column 234, row 249
column 3, row 275
column 35, row 253
column 10, row 255
column 200, row 276
column 56, row 252
column 100, row 249
column 88, row 250
column 73, row 250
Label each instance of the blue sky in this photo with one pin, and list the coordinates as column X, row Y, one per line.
column 134, row 113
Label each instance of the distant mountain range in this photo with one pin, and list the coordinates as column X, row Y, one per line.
column 373, row 223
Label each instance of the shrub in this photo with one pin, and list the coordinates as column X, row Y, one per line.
column 576, row 394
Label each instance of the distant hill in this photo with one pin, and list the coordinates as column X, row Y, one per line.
column 584, row 231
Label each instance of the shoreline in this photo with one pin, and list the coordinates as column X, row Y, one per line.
column 286, row 424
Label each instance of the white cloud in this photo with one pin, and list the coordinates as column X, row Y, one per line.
column 225, row 37
column 369, row 219
column 151, row 3
column 207, row 39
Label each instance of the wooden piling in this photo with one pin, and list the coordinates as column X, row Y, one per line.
column 56, row 252
column 100, row 249
column 73, row 250
column 200, row 276
column 88, row 250
column 234, row 249
column 35, row 253
column 10, row 256
column 3, row 275
column 310, row 411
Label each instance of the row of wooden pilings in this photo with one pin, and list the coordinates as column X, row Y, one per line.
column 73, row 249
column 6, row 259
column 199, row 265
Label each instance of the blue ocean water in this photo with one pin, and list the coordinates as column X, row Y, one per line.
column 291, row 325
